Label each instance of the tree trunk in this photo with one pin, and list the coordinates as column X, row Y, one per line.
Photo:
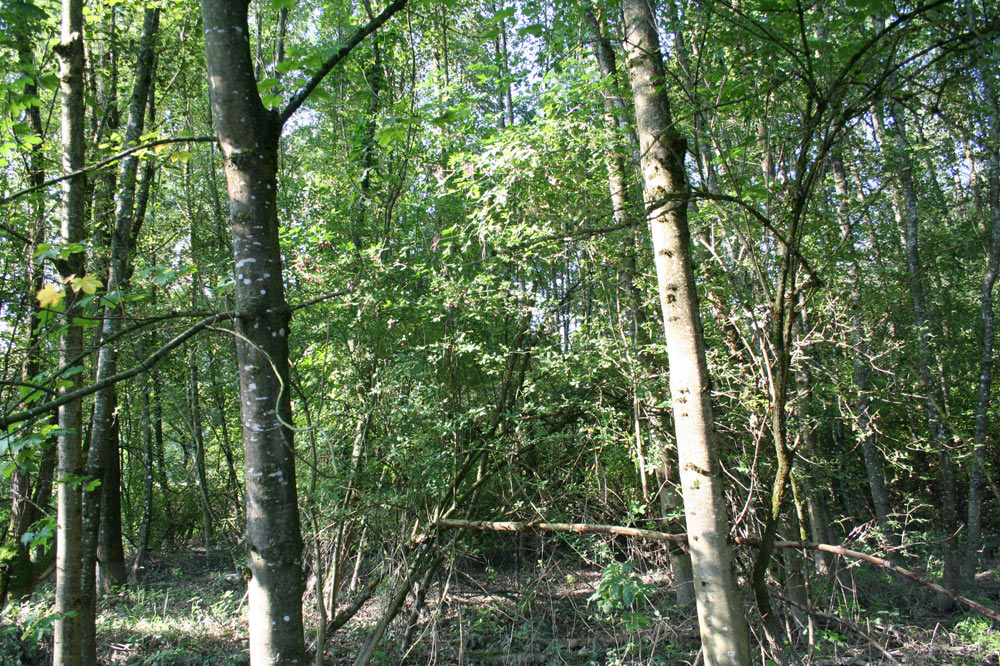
column 622, row 207
column 862, row 369
column 971, row 559
column 248, row 135
column 102, row 423
column 142, row 547
column 905, row 208
column 66, row 648
column 665, row 188
column 110, row 549
column 199, row 452
column 29, row 495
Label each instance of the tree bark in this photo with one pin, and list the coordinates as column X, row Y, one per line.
column 142, row 546
column 971, row 560
column 720, row 615
column 102, row 423
column 667, row 494
column 198, row 436
column 111, row 570
column 66, row 648
column 248, row 135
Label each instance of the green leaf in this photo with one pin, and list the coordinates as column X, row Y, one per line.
column 270, row 101
column 504, row 14
column 69, row 249
column 27, row 10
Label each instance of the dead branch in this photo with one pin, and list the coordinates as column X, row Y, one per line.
column 584, row 528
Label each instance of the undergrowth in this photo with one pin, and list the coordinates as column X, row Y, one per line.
column 189, row 609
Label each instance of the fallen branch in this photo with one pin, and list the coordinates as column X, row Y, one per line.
column 582, row 528
column 585, row 528
column 885, row 564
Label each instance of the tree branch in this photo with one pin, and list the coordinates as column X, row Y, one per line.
column 8, row 420
column 359, row 35
column 652, row 535
column 96, row 166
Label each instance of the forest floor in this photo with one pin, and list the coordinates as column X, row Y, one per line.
column 190, row 610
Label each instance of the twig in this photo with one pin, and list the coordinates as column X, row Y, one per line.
column 300, row 97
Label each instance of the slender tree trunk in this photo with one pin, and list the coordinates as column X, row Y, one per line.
column 622, row 207
column 971, row 559
column 720, row 615
column 199, row 453
column 141, row 207
column 66, row 649
column 142, row 547
column 102, row 423
column 905, row 207
column 862, row 369
column 29, row 495
column 226, row 443
column 110, row 549
column 248, row 135
column 163, row 477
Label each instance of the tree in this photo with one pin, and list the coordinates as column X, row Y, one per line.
column 666, row 192
column 69, row 533
column 248, row 135
column 103, row 429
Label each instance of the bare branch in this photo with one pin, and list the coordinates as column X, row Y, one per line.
column 8, row 420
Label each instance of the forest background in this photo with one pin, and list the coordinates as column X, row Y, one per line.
column 306, row 281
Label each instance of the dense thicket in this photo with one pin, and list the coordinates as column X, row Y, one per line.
column 435, row 270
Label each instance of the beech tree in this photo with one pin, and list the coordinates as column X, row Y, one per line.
column 67, row 647
column 248, row 136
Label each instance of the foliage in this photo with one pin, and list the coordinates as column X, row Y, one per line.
column 473, row 330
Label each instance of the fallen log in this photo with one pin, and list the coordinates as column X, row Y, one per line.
column 586, row 528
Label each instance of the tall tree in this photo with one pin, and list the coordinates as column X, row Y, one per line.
column 906, row 211
column 991, row 143
column 103, row 433
column 665, row 189
column 66, row 651
column 248, row 134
